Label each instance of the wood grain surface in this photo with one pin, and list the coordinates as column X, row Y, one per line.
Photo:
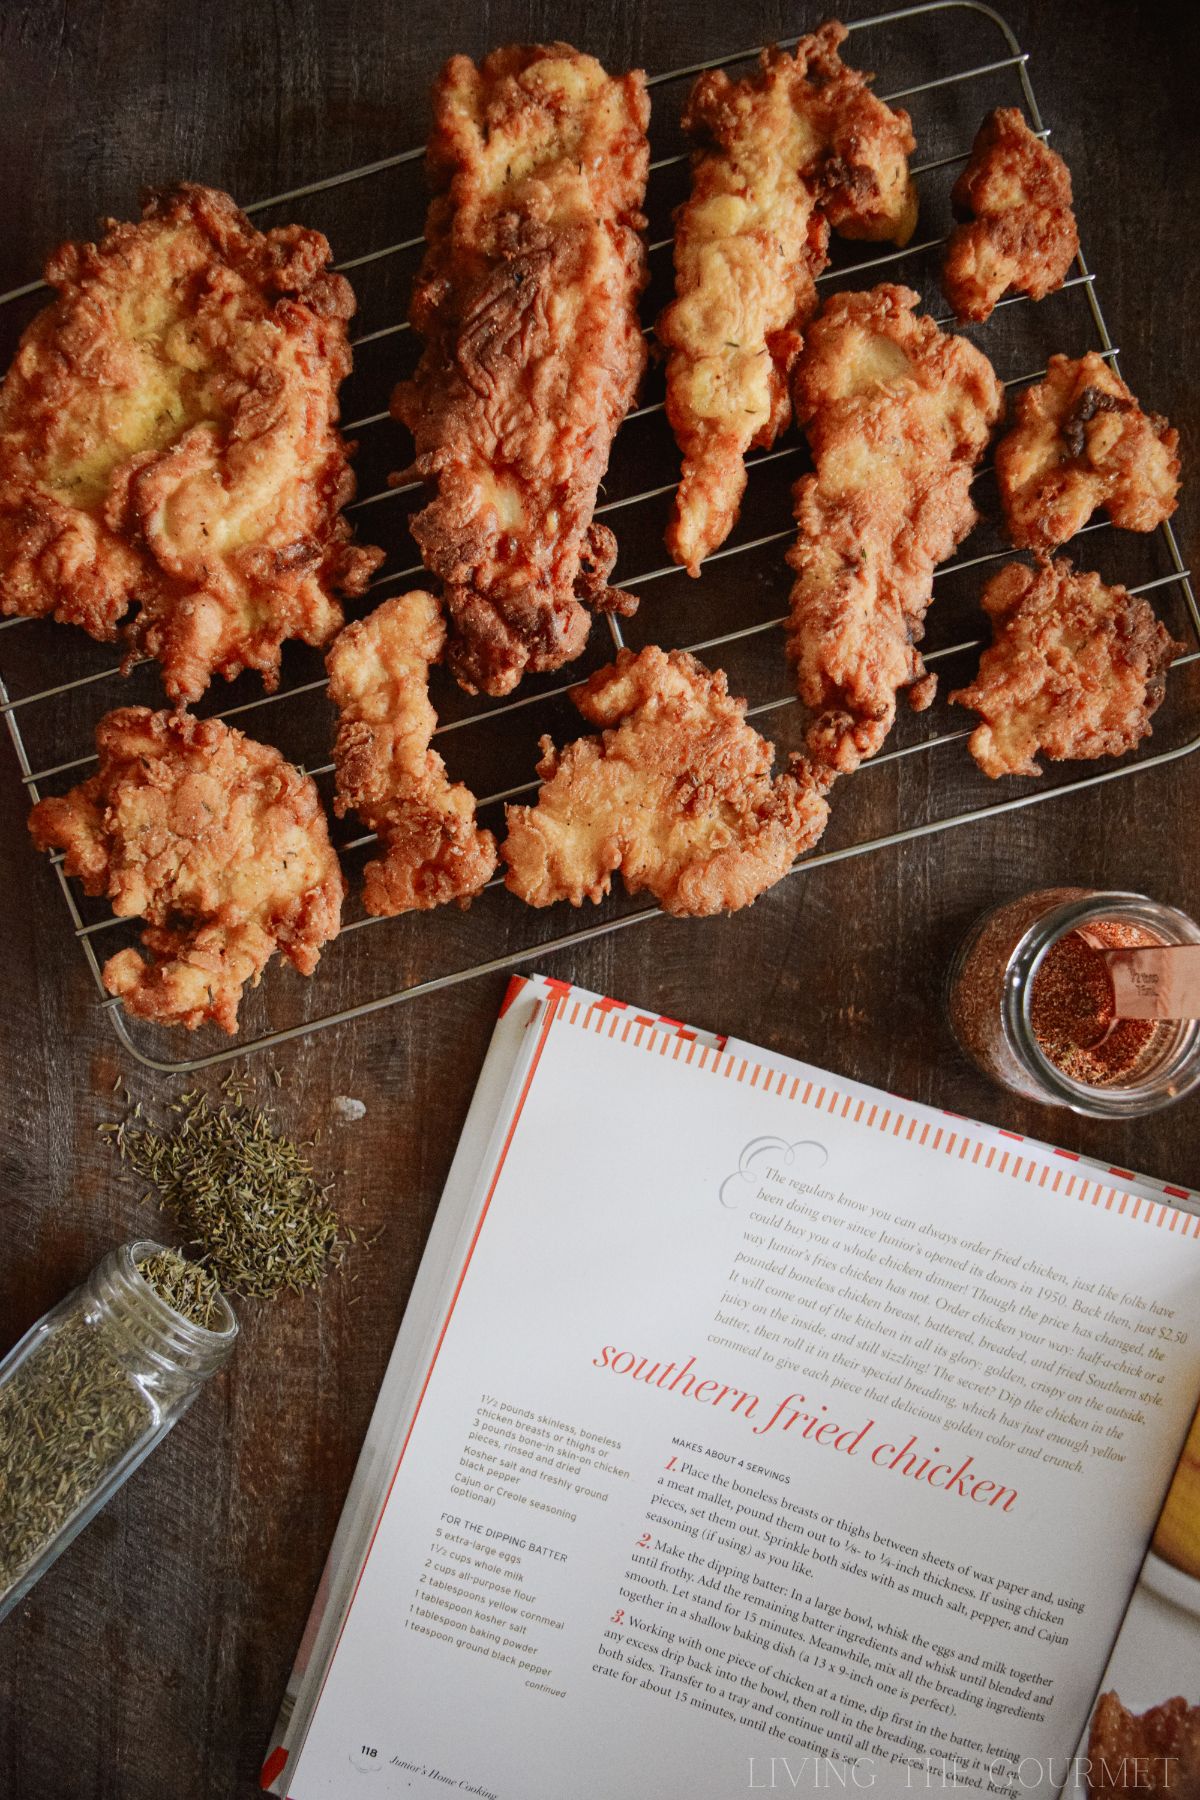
column 150, row 1662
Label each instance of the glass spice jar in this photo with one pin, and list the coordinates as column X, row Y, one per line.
column 87, row 1394
column 1017, row 996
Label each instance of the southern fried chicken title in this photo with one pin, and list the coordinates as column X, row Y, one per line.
column 816, row 1426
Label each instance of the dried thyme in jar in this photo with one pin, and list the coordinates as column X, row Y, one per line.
column 91, row 1389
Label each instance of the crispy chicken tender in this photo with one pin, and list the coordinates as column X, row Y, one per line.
column 1019, row 231
column 213, row 839
column 676, row 793
column 780, row 155
column 897, row 415
column 527, row 301
column 1079, row 440
column 168, row 441
column 1155, row 1754
column 433, row 851
column 1075, row 670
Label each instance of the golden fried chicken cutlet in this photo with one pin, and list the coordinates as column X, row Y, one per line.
column 676, row 793
column 1079, row 440
column 1018, row 230
column 1155, row 1754
column 169, row 442
column 213, row 839
column 527, row 301
column 433, row 851
column 897, row 415
column 799, row 144
column 1076, row 669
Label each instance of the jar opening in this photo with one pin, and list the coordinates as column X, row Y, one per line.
column 1167, row 1060
column 1072, row 1008
column 151, row 1327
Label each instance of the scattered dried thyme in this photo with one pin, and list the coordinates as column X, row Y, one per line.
column 244, row 1196
column 193, row 1291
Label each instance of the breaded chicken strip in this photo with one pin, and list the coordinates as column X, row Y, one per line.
column 433, row 851
column 897, row 415
column 1075, row 669
column 799, row 144
column 1155, row 1754
column 168, row 441
column 216, row 841
column 676, row 793
column 527, row 301
column 1080, row 440
column 1019, row 231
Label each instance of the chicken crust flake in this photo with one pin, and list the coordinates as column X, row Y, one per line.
column 433, row 851
column 213, row 839
column 1079, row 440
column 897, row 415
column 527, row 301
column 1075, row 671
column 797, row 145
column 1018, row 231
column 169, row 442
column 676, row 792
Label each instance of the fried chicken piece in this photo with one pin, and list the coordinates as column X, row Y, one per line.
column 1019, row 231
column 897, row 415
column 433, row 851
column 1155, row 1754
column 168, row 441
column 676, row 793
column 780, row 155
column 1080, row 440
column 1076, row 670
column 527, row 300
column 1177, row 1534
column 213, row 839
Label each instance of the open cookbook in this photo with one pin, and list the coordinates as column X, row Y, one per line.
column 748, row 1426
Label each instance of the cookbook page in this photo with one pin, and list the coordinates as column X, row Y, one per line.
column 778, row 1426
column 500, row 1080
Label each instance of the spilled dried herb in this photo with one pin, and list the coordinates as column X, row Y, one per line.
column 193, row 1291
column 244, row 1196
column 68, row 1413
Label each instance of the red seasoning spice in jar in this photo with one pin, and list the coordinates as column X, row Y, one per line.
column 1071, row 1007
column 1030, row 1001
column 979, row 975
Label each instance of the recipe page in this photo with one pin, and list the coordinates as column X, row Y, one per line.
column 778, row 1428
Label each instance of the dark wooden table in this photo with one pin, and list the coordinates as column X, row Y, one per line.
column 151, row 1661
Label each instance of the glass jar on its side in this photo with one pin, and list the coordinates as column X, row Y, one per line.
column 84, row 1396
column 990, row 993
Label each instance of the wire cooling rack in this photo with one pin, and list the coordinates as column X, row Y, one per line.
column 947, row 62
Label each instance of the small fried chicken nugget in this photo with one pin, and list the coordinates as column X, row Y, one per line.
column 213, row 839
column 1080, row 440
column 676, row 793
column 386, row 772
column 1019, row 232
column 168, row 441
column 1155, row 1754
column 1075, row 669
